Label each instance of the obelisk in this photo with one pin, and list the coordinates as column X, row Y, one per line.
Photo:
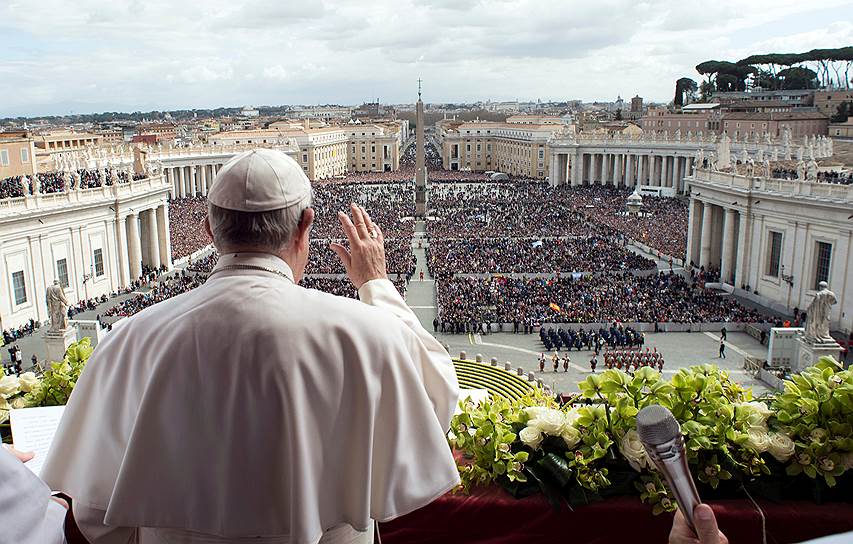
column 420, row 166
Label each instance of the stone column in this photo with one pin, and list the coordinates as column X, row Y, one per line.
column 576, row 166
column 121, row 249
column 133, row 246
column 664, row 171
column 552, row 170
column 705, row 250
column 605, row 175
column 153, row 241
column 629, row 170
column 167, row 173
column 203, row 179
column 728, row 246
column 652, row 168
column 163, row 235
column 617, row 170
column 741, row 259
column 182, row 182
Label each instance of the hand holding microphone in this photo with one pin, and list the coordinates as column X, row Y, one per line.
column 664, row 443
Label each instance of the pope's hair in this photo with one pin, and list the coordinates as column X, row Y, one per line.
column 271, row 230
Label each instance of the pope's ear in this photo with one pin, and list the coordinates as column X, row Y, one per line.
column 305, row 224
column 207, row 228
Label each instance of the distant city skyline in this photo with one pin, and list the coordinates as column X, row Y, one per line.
column 88, row 56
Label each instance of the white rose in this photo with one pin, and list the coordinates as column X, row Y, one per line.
column 28, row 381
column 550, row 422
column 758, row 439
column 780, row 446
column 4, row 405
column 571, row 416
column 531, row 437
column 570, row 436
column 632, row 449
column 535, row 411
column 18, row 403
column 757, row 413
column 8, row 386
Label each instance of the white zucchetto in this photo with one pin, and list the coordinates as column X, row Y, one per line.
column 260, row 180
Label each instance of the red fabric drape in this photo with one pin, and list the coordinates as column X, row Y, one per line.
column 490, row 515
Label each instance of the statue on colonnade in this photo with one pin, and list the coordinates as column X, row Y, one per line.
column 817, row 315
column 811, row 175
column 57, row 308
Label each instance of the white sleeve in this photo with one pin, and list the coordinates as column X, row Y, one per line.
column 27, row 514
column 434, row 364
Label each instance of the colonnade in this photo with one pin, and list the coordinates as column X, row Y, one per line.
column 191, row 180
column 622, row 169
column 716, row 239
column 143, row 239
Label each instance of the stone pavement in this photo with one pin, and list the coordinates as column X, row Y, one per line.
column 679, row 350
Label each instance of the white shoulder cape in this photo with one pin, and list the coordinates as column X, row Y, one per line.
column 254, row 407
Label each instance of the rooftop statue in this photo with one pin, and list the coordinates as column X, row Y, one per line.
column 812, row 171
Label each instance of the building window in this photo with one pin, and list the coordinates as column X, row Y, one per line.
column 19, row 287
column 775, row 255
column 467, row 147
column 4, row 157
column 62, row 272
column 25, row 155
column 541, row 153
column 99, row 262
column 304, row 157
column 823, row 260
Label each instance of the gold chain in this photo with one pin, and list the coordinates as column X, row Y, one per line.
column 251, row 267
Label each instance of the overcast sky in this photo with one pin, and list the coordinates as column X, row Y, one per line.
column 61, row 56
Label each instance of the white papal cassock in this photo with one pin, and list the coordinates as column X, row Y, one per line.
column 27, row 515
column 251, row 407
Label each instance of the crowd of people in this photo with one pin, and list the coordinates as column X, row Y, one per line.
column 531, row 209
column 616, row 335
column 789, row 172
column 57, row 182
column 530, row 255
column 186, row 233
column 14, row 334
column 602, row 298
column 342, row 286
column 391, row 206
column 398, row 256
column 169, row 288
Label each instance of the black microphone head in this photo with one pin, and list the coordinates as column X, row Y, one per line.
column 657, row 425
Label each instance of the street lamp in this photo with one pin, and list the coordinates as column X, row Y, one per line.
column 789, row 279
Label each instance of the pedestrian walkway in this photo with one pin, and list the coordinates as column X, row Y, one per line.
column 420, row 295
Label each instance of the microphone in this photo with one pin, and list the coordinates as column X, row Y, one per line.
column 661, row 436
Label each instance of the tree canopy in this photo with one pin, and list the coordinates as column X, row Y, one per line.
column 685, row 88
column 772, row 71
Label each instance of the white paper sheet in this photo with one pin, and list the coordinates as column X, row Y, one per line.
column 33, row 430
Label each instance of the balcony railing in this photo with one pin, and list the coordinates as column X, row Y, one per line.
column 11, row 206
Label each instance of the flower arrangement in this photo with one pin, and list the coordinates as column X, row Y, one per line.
column 51, row 389
column 590, row 449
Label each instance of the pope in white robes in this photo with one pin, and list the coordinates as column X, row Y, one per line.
column 254, row 410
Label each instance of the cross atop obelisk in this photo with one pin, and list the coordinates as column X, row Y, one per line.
column 420, row 163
